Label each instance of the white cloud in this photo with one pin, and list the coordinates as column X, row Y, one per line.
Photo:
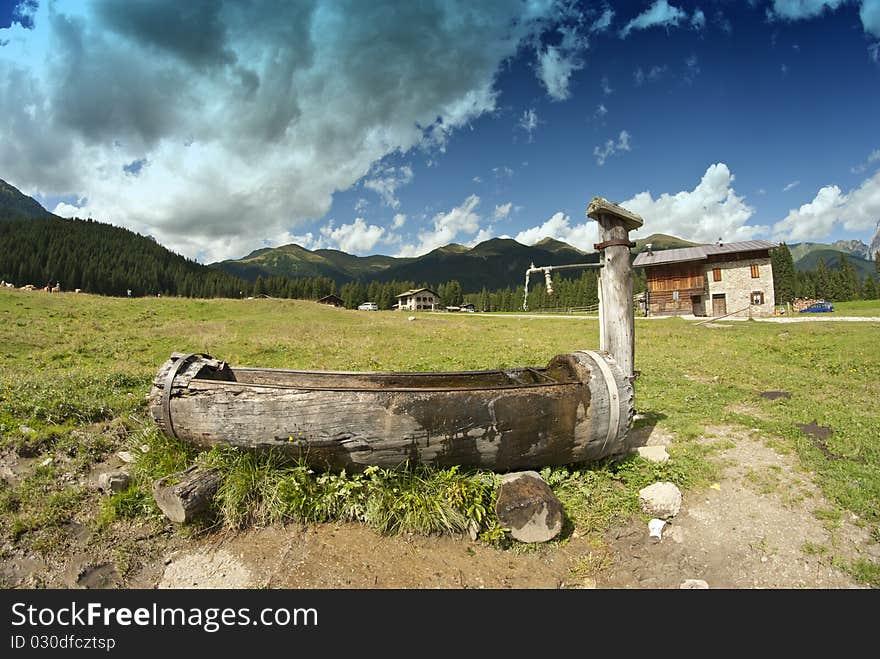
column 398, row 221
column 660, row 13
column 870, row 15
column 502, row 172
column 874, row 156
column 799, row 9
column 361, row 205
column 710, row 210
column 692, row 68
column 386, row 180
column 857, row 210
column 528, row 122
column 583, row 236
column 503, row 211
column 611, row 147
column 791, row 186
column 477, row 179
column 603, row 22
column 447, row 227
column 653, row 74
column 698, row 19
column 355, row 238
column 250, row 119
column 793, row 10
column 601, row 111
column 557, row 63
column 606, row 86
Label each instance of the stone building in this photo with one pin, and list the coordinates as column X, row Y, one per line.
column 418, row 299
column 710, row 280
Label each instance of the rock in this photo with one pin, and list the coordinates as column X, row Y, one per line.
column 127, row 456
column 82, row 572
column 661, row 500
column 528, row 507
column 655, row 528
column 411, row 318
column 46, row 462
column 27, row 430
column 145, row 448
column 111, row 482
column 653, row 453
column 694, row 584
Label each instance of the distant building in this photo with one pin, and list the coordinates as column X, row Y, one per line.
column 418, row 299
column 332, row 300
column 710, row 280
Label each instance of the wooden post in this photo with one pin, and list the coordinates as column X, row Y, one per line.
column 617, row 329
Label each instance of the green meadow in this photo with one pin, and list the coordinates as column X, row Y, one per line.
column 76, row 370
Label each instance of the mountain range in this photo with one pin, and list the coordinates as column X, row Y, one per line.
column 495, row 263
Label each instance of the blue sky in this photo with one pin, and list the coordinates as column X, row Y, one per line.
column 386, row 128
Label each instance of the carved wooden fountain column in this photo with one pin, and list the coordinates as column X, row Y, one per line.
column 616, row 320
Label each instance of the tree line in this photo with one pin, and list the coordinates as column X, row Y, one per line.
column 840, row 284
column 104, row 259
column 107, row 260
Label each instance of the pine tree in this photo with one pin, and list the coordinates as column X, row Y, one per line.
column 783, row 274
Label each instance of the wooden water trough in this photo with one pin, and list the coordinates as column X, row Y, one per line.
column 577, row 408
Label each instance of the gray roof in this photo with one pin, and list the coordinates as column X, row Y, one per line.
column 413, row 291
column 700, row 252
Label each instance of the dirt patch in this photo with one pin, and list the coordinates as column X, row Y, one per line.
column 755, row 528
column 353, row 556
column 773, row 395
column 763, row 525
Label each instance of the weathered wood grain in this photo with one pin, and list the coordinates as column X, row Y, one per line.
column 498, row 419
column 186, row 494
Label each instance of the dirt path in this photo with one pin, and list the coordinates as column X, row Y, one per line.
column 756, row 530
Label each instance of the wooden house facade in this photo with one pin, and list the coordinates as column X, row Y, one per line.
column 710, row 280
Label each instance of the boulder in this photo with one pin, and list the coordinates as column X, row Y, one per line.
column 527, row 506
column 653, row 453
column 662, row 500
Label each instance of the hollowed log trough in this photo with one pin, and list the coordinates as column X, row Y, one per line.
column 576, row 409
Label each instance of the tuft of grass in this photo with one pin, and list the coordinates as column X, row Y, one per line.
column 266, row 488
column 814, row 549
column 131, row 503
column 864, row 571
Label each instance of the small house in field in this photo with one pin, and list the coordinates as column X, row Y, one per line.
column 710, row 280
column 332, row 300
column 418, row 299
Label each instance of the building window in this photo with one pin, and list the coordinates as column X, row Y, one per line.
column 757, row 297
column 675, row 295
column 716, row 274
column 755, row 273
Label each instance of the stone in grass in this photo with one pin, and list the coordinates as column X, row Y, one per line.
column 527, row 506
column 653, row 453
column 661, row 500
column 694, row 584
column 111, row 482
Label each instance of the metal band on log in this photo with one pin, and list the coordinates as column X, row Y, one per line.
column 576, row 409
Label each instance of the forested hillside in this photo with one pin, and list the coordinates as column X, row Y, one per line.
column 101, row 258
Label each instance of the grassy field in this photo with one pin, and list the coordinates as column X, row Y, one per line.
column 856, row 308
column 76, row 369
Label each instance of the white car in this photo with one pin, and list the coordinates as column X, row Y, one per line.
column 368, row 306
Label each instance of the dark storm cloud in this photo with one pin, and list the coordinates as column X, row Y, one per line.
column 191, row 31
